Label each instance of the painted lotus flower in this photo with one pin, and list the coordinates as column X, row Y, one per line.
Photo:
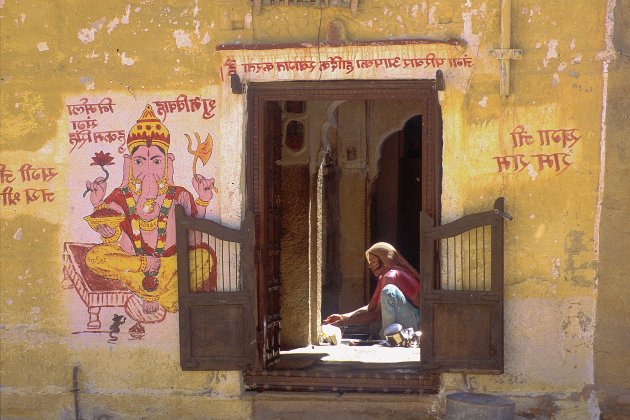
column 102, row 159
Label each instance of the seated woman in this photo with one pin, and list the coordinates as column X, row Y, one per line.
column 397, row 295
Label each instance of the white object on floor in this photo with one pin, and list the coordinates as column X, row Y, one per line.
column 331, row 334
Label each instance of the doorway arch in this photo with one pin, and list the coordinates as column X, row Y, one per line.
column 397, row 191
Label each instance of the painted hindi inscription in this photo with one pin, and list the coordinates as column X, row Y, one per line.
column 184, row 104
column 85, row 126
column 556, row 161
column 347, row 65
column 29, row 175
column 86, row 115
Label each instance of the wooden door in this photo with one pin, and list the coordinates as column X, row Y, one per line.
column 269, row 214
column 462, row 298
column 215, row 267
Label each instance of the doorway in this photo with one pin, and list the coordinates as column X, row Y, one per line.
column 395, row 198
column 320, row 166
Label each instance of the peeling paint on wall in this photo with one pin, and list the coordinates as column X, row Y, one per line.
column 181, row 39
column 127, row 61
column 87, row 35
column 552, row 44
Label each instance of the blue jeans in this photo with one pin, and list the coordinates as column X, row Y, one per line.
column 395, row 308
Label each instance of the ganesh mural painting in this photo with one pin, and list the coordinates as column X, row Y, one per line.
column 135, row 265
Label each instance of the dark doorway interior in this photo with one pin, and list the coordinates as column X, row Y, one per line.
column 397, row 192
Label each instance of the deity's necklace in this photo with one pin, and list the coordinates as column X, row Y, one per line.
column 150, row 282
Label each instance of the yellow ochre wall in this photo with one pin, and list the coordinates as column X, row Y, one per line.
column 566, row 290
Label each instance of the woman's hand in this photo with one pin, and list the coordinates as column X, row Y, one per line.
column 333, row 319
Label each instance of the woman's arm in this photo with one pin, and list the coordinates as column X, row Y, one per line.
column 361, row 316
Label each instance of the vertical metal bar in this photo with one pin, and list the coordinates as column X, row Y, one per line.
column 223, row 265
column 193, row 256
column 455, row 259
column 454, row 266
column 204, row 239
column 204, row 275
column 230, row 265
column 195, row 267
column 225, row 272
column 477, row 258
column 451, row 266
column 212, row 246
column 237, row 255
column 458, row 283
column 461, row 255
column 192, row 267
column 220, row 264
column 469, row 263
column 211, row 261
column 237, row 271
column 484, row 257
column 448, row 267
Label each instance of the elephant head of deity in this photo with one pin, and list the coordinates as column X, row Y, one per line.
column 148, row 168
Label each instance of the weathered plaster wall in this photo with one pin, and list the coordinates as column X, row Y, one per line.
column 555, row 290
column 550, row 251
column 612, row 333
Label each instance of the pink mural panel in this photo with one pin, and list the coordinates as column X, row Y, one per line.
column 132, row 161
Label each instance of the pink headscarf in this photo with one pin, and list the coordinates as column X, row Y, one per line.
column 391, row 258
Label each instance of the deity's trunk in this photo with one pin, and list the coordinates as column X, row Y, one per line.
column 148, row 193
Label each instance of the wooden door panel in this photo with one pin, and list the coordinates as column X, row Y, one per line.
column 268, row 237
column 218, row 329
column 455, row 340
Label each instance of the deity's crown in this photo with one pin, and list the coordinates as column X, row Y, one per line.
column 148, row 130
